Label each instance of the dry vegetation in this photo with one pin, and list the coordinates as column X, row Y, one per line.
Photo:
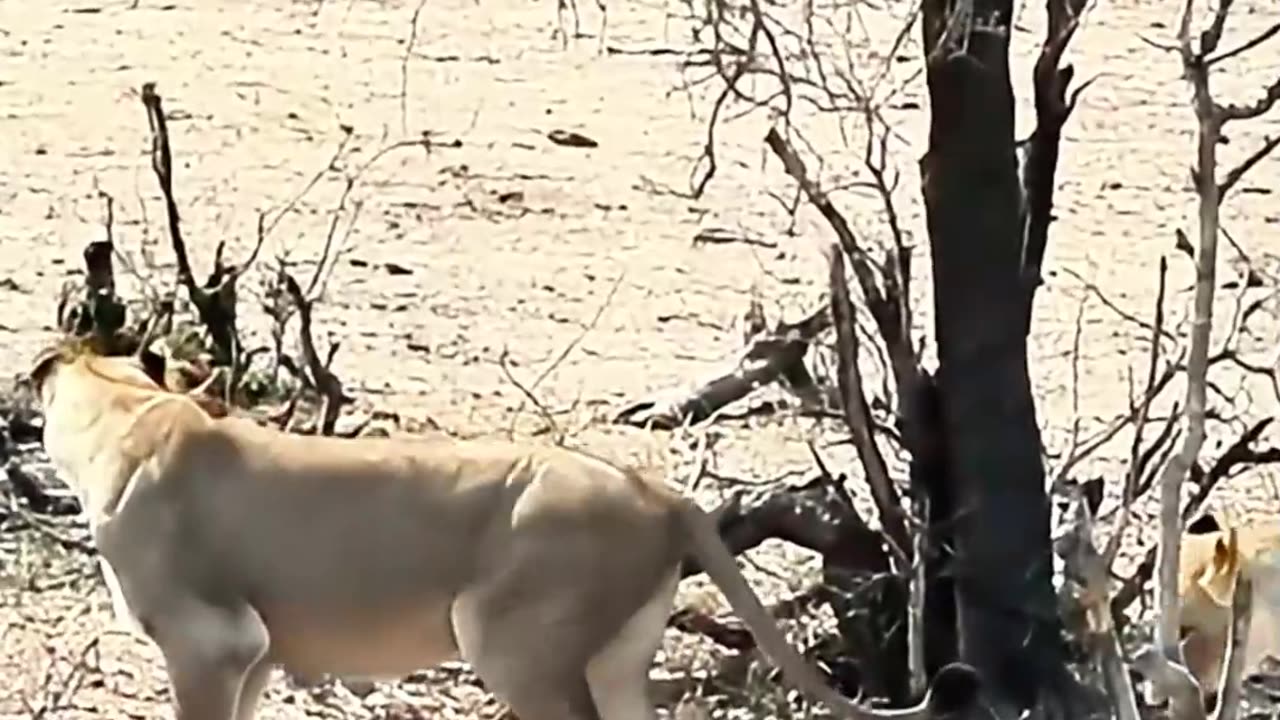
column 412, row 217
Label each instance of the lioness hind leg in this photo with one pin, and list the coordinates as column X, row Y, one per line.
column 619, row 674
column 212, row 655
column 565, row 698
column 540, row 675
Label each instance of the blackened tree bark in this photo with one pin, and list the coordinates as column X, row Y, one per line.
column 985, row 274
column 925, row 436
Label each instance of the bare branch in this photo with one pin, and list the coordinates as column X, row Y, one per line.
column 1072, row 457
column 1140, row 423
column 1175, row 471
column 769, row 355
column 329, row 254
column 884, row 310
column 332, row 165
column 1052, row 80
column 1260, row 38
column 1260, row 107
column 1233, row 176
column 1230, row 689
column 1088, row 579
column 551, row 424
column 215, row 304
column 1210, row 38
column 404, row 66
column 916, row 645
column 1111, row 305
column 856, row 413
column 328, row 384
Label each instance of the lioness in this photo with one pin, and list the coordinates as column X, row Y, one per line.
column 237, row 548
column 1209, row 565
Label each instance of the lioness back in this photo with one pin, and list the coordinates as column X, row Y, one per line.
column 287, row 509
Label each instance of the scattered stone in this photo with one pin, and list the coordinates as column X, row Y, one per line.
column 569, row 138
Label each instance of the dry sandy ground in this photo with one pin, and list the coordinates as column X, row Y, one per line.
column 258, row 90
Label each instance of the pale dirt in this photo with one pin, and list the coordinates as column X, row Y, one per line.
column 257, row 91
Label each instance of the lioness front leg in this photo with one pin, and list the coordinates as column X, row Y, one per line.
column 213, row 655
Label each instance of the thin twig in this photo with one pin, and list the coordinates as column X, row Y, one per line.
column 564, row 353
column 1061, row 476
column 330, row 166
column 404, row 66
column 1143, row 412
column 1233, row 176
column 1257, row 40
column 552, row 425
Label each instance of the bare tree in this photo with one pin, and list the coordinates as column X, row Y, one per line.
column 977, row 481
column 1211, row 117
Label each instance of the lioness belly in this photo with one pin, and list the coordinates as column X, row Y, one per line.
column 389, row 644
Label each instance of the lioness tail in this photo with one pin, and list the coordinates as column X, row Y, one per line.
column 718, row 563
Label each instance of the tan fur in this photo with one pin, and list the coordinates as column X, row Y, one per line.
column 237, row 548
column 1210, row 565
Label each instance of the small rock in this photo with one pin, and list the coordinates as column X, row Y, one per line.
column 569, row 138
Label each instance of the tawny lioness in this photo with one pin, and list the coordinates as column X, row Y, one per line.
column 237, row 548
column 1210, row 564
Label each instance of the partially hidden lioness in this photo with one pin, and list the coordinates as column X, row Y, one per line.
column 1209, row 565
column 237, row 548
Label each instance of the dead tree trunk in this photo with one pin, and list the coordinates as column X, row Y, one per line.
column 931, row 486
column 986, row 257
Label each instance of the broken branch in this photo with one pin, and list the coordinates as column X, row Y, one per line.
column 769, row 355
column 326, row 383
column 883, row 310
column 215, row 303
column 857, row 414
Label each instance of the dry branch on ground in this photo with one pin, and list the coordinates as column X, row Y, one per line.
column 770, row 355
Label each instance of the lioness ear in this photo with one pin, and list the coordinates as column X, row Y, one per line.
column 1219, row 579
column 153, row 364
column 42, row 365
column 1226, row 555
column 1204, row 525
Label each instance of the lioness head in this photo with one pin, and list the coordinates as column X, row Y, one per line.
column 1210, row 565
column 147, row 370
column 147, row 366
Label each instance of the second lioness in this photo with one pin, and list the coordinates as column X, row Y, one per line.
column 1210, row 564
